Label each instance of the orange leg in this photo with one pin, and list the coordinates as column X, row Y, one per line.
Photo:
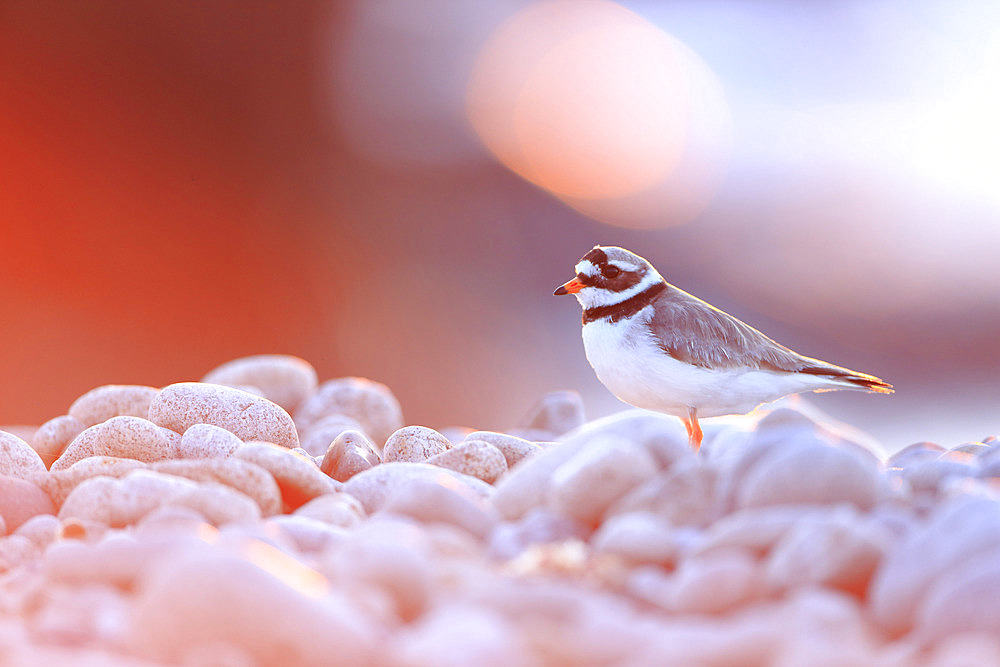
column 693, row 428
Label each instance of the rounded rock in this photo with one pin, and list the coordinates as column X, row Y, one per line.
column 283, row 379
column 112, row 400
column 317, row 438
column 557, row 412
column 17, row 458
column 249, row 479
column 122, row 502
column 431, row 501
column 373, row 487
column 810, row 474
column 587, row 484
column 514, row 449
column 350, row 453
column 53, row 436
column 59, row 483
column 298, row 477
column 21, row 500
column 121, row 437
column 370, row 403
column 715, row 583
column 414, row 444
column 473, row 457
column 251, row 418
column 337, row 509
column 203, row 441
column 682, row 495
column 639, row 537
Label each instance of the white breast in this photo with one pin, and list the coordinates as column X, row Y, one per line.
column 630, row 364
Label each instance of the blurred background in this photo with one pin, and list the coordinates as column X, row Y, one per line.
column 393, row 188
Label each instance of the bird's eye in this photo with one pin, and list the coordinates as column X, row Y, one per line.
column 611, row 271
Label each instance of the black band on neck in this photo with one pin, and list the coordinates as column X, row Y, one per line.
column 626, row 308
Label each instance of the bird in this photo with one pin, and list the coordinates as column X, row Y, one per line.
column 656, row 347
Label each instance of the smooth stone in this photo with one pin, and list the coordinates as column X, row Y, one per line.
column 248, row 478
column 638, row 537
column 756, row 529
column 375, row 486
column 441, row 500
column 514, row 449
column 557, row 412
column 112, row 400
column 298, row 477
column 477, row 458
column 539, row 526
column 20, row 500
column 17, row 458
column 715, row 582
column 218, row 503
column 16, row 550
column 963, row 600
column 811, row 474
column 930, row 477
column 337, row 509
column 414, row 444
column 682, row 495
column 251, row 418
column 121, row 437
column 372, row 404
column 587, row 484
column 202, row 599
column 349, row 453
column 918, row 451
column 203, row 441
column 834, row 549
column 661, row 435
column 317, row 438
column 954, row 534
column 41, row 529
column 526, row 487
column 283, row 379
column 53, row 436
column 122, row 502
column 308, row 535
column 59, row 483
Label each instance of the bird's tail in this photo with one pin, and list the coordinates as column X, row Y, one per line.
column 849, row 377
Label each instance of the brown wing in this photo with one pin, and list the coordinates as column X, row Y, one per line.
column 698, row 333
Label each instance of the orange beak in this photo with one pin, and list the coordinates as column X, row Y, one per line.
column 571, row 287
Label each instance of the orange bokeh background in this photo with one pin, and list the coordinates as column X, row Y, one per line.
column 183, row 184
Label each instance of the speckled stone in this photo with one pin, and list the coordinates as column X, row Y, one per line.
column 350, row 453
column 112, row 400
column 318, row 437
column 53, row 436
column 370, row 403
column 180, row 406
column 299, row 479
column 20, row 500
column 414, row 444
column 17, row 458
column 204, row 441
column 247, row 478
column 514, row 449
column 59, row 483
column 122, row 437
column 473, row 457
column 283, row 379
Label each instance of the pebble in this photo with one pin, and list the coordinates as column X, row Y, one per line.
column 557, row 412
column 374, row 487
column 810, row 474
column 337, row 509
column 206, row 441
column 298, row 477
column 20, row 500
column 59, row 483
column 473, row 457
column 441, row 500
column 716, row 582
column 112, row 400
column 368, row 402
column 414, row 444
column 527, row 486
column 683, row 495
column 17, row 458
column 121, row 502
column 317, row 438
column 251, row 418
column 349, row 453
column 122, row 437
column 248, row 478
column 52, row 437
column 587, row 484
column 282, row 378
column 285, row 621
column 639, row 537
column 514, row 449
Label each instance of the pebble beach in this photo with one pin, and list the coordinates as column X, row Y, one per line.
column 261, row 516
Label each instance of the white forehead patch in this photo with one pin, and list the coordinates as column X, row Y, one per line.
column 585, row 267
column 624, row 266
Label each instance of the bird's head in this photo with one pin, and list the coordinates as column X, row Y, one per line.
column 608, row 275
